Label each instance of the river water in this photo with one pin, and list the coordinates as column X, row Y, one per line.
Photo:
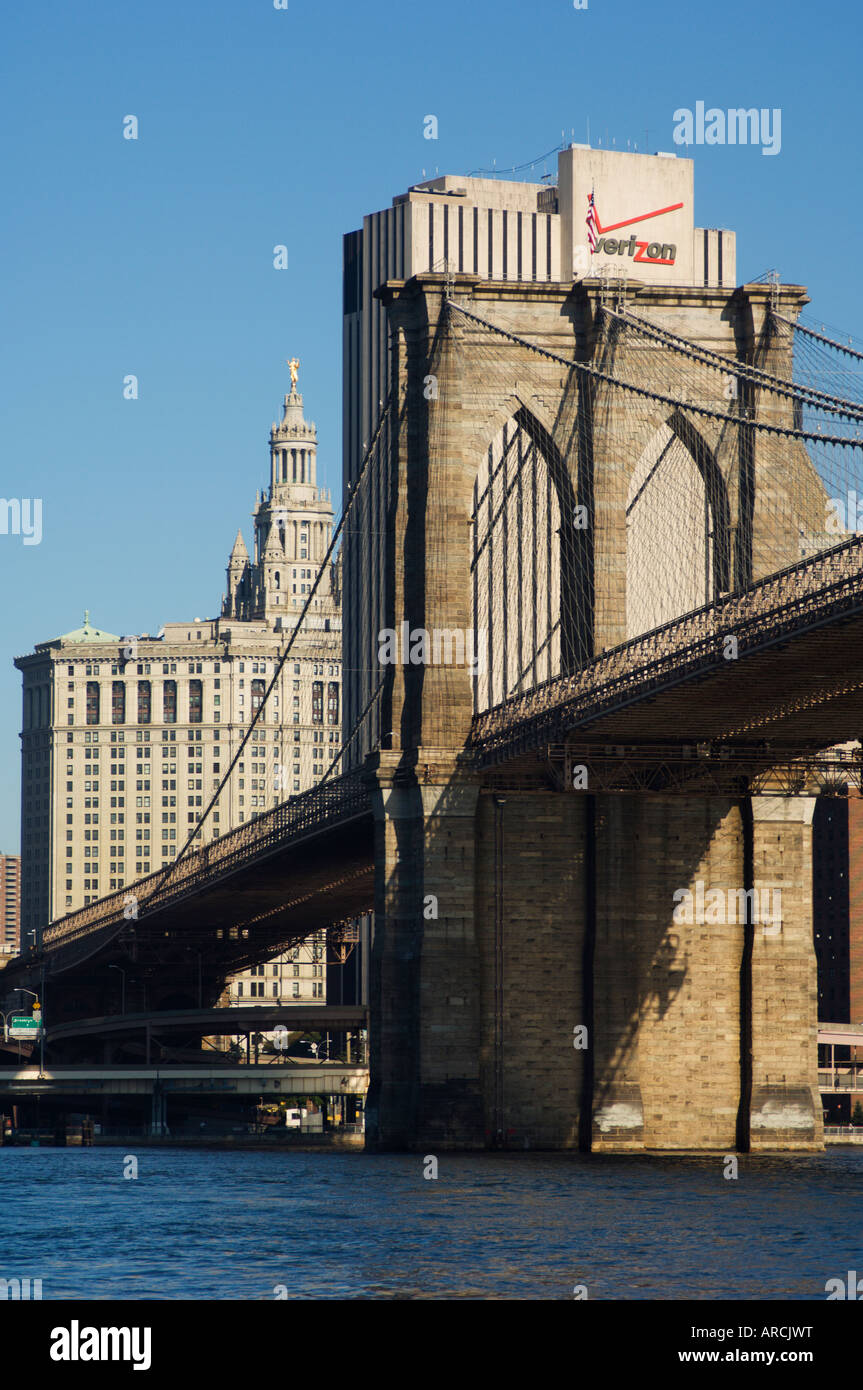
column 218, row 1224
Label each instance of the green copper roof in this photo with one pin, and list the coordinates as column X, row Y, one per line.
column 88, row 633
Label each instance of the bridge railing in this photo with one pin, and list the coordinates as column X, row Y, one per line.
column 843, row 1077
column 312, row 810
column 783, row 600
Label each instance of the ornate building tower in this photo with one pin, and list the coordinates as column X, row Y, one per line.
column 293, row 527
column 239, row 580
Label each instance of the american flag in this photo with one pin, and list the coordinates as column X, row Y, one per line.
column 591, row 222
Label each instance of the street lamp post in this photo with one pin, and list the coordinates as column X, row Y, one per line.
column 6, row 1029
column 6, row 1032
column 19, row 989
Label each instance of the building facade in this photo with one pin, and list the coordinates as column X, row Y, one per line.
column 10, row 904
column 126, row 738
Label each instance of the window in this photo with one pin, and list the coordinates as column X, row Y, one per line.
column 333, row 702
column 118, row 702
column 169, row 702
column 144, row 702
column 196, row 701
column 92, row 702
column 257, row 695
column 317, row 702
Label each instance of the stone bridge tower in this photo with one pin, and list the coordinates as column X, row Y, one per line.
column 532, row 983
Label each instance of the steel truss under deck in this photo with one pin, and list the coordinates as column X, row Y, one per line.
column 700, row 769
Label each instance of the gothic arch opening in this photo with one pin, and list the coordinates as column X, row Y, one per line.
column 516, row 572
column 677, row 528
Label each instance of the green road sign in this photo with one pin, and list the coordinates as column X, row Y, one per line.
column 25, row 1027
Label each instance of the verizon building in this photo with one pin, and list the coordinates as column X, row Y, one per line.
column 643, row 227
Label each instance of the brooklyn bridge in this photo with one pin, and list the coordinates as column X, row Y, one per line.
column 630, row 495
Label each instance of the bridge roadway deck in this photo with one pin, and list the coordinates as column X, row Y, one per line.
column 279, row 1079
column 335, row 1018
column 796, row 681
column 299, row 868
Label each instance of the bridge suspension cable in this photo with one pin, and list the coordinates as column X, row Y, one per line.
column 743, row 371
column 820, row 337
column 584, row 368
column 283, row 656
column 824, row 360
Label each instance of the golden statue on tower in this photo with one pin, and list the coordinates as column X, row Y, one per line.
column 294, row 365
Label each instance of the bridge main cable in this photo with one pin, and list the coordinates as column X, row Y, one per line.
column 820, row 338
column 597, row 374
column 834, row 405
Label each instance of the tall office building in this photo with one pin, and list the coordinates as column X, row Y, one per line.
column 125, row 739
column 497, row 230
column 10, row 904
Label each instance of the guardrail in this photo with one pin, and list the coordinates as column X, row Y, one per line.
column 840, row 1079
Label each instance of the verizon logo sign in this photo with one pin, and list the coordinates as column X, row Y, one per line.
column 660, row 253
column 643, row 251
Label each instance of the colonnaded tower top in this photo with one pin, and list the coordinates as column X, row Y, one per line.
column 293, row 526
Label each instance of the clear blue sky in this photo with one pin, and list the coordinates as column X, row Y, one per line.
column 260, row 126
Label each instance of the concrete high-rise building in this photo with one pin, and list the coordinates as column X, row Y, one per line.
column 10, row 904
column 125, row 738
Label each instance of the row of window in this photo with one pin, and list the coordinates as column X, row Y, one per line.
column 196, row 702
column 257, row 991
column 169, row 668
column 118, row 702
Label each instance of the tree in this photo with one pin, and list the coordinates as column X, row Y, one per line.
column 857, row 1116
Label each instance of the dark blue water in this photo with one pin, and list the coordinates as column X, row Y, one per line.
column 214, row 1224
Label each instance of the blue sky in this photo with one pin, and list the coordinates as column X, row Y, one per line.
column 260, row 126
